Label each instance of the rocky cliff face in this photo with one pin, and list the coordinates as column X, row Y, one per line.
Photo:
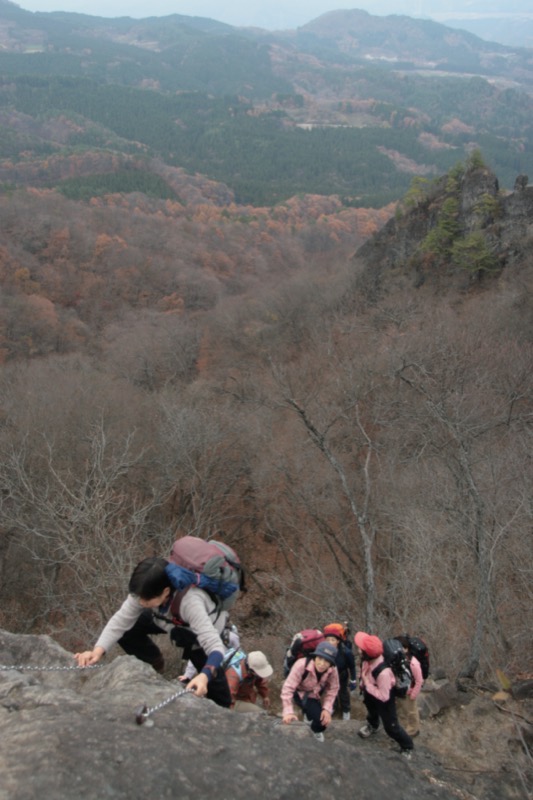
column 456, row 232
column 70, row 734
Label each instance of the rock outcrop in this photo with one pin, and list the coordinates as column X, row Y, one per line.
column 457, row 231
column 70, row 734
column 73, row 734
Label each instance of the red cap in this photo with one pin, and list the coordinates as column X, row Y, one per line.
column 371, row 645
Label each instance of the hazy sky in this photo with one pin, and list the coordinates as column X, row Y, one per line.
column 270, row 14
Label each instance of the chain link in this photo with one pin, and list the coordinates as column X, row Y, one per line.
column 29, row 668
column 142, row 713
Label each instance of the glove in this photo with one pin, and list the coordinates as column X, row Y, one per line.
column 353, row 686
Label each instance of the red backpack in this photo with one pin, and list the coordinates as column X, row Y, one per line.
column 302, row 645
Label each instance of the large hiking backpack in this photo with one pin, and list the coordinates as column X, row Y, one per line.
column 302, row 645
column 213, row 566
column 395, row 657
column 419, row 649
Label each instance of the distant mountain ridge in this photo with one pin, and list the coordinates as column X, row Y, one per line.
column 509, row 23
column 415, row 42
column 349, row 104
column 344, row 35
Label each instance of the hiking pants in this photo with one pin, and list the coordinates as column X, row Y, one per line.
column 137, row 642
column 343, row 696
column 377, row 710
column 312, row 709
column 408, row 716
column 217, row 688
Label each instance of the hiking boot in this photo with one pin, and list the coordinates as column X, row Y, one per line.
column 319, row 736
column 407, row 754
column 346, row 715
column 366, row 731
column 307, row 720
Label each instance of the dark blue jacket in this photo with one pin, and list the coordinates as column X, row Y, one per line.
column 345, row 661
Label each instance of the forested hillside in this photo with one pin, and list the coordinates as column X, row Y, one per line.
column 361, row 430
column 69, row 270
column 290, row 302
column 350, row 104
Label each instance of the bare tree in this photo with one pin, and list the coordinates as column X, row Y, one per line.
column 82, row 532
column 467, row 423
column 79, row 495
column 330, row 396
column 203, row 456
column 152, row 349
column 358, row 500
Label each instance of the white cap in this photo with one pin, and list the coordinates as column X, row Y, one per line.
column 258, row 662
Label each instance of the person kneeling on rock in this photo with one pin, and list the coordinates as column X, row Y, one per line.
column 248, row 680
column 313, row 684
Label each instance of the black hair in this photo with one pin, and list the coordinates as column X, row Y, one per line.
column 404, row 641
column 149, row 579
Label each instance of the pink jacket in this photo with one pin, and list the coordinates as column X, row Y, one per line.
column 308, row 684
column 416, row 669
column 382, row 687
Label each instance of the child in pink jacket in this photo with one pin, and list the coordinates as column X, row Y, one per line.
column 378, row 693
column 313, row 685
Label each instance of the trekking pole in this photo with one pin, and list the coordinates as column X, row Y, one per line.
column 143, row 712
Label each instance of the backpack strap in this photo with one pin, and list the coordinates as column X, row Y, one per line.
column 238, row 667
column 379, row 669
column 227, row 658
column 304, row 675
column 308, row 659
column 177, row 598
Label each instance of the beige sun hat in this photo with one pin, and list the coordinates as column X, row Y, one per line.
column 258, row 662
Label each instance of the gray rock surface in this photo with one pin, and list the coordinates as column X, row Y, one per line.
column 72, row 734
column 438, row 695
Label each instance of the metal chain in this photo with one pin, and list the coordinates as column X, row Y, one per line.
column 142, row 713
column 29, row 668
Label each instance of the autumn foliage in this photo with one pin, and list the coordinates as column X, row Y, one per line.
column 87, row 264
column 364, row 444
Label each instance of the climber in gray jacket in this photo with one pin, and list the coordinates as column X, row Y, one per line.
column 147, row 611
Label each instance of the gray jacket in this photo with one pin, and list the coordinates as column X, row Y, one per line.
column 197, row 610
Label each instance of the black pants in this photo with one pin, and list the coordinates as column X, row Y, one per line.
column 312, row 709
column 343, row 697
column 137, row 642
column 377, row 710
